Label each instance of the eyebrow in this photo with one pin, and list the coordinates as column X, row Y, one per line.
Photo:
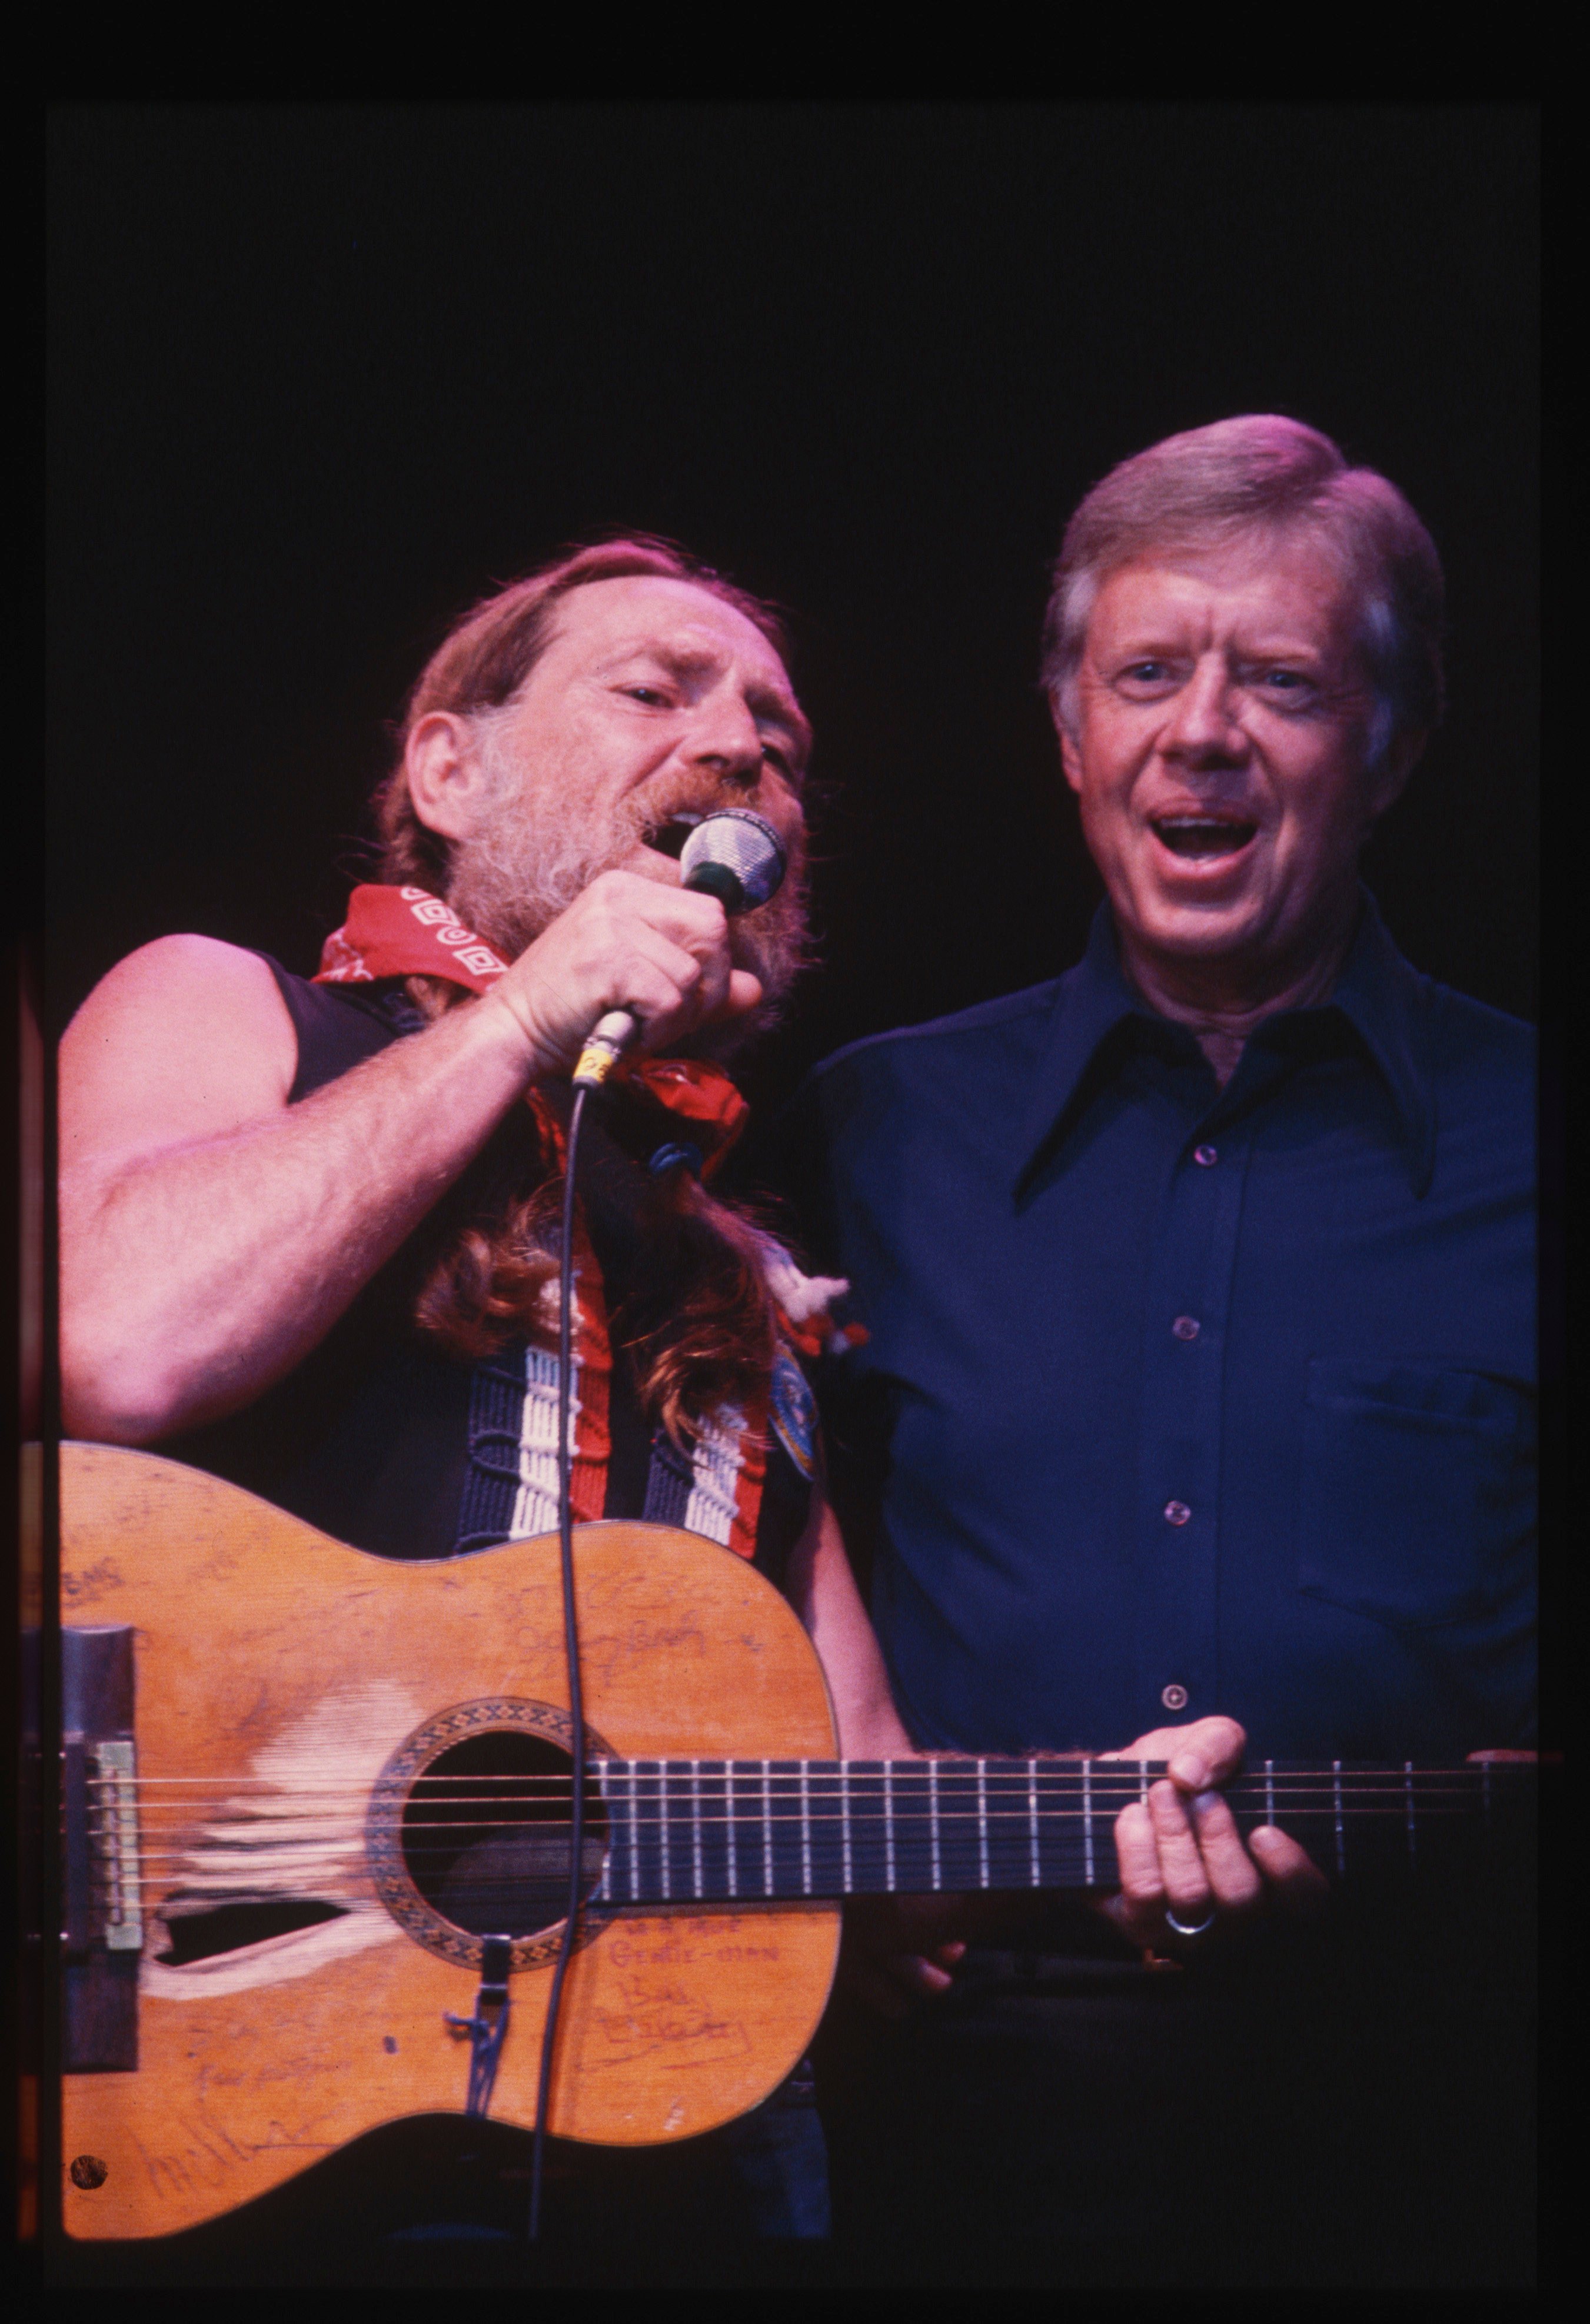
column 1148, row 643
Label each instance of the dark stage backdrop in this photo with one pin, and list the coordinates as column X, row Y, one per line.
column 323, row 374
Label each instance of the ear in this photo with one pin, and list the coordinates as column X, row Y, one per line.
column 1385, row 786
column 1070, row 758
column 445, row 778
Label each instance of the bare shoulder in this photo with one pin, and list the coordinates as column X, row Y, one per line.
column 187, row 1037
column 185, row 982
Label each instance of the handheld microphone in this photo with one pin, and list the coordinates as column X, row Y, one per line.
column 734, row 855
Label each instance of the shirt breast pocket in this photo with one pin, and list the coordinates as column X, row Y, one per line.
column 1418, row 1491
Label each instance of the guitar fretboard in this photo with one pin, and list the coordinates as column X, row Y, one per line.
column 743, row 1830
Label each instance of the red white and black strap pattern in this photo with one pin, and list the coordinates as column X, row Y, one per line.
column 405, row 931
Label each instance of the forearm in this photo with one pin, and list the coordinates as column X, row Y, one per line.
column 823, row 1591
column 193, row 1279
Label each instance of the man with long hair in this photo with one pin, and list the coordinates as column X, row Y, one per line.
column 310, row 1226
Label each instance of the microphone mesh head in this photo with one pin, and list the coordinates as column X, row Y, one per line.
column 745, row 844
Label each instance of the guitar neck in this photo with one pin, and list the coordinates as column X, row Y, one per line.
column 747, row 1830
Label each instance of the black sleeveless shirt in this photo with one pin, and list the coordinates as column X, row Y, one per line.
column 383, row 1440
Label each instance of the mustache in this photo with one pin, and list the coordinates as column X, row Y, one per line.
column 646, row 812
column 541, row 853
column 773, row 941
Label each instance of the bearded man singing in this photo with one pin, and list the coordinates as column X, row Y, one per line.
column 308, row 1228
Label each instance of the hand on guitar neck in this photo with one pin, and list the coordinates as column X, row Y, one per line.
column 1182, row 1855
column 1180, row 1852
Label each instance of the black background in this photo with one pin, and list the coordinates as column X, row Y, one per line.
column 323, row 374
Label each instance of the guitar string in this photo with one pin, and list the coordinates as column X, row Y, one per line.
column 323, row 1829
column 203, row 1876
column 258, row 1818
column 824, row 1828
column 307, row 1804
column 160, row 1870
column 1012, row 1764
column 836, row 1770
column 248, row 1834
column 180, row 1862
column 258, row 1836
column 259, row 1833
column 321, row 1826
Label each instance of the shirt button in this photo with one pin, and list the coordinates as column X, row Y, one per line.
column 1174, row 1697
column 1206, row 1155
column 1186, row 1327
column 1177, row 1513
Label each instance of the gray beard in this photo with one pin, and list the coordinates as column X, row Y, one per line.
column 510, row 883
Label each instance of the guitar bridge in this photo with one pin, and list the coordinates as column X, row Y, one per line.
column 113, row 1823
column 102, row 1931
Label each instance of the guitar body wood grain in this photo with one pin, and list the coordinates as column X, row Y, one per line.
column 277, row 1671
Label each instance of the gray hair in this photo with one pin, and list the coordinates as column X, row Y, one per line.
column 1262, row 474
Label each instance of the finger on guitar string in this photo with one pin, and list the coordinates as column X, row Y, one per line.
column 1205, row 1752
column 1181, row 1857
column 1138, row 1860
column 1232, row 1878
column 1291, row 1878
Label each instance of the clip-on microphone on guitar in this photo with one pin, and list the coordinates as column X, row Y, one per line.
column 739, row 858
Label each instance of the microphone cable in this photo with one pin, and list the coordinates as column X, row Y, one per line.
column 571, row 1648
column 739, row 858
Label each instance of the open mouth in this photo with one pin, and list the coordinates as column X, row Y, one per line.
column 1202, row 834
column 668, row 838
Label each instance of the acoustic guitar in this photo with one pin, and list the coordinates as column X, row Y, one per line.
column 311, row 1795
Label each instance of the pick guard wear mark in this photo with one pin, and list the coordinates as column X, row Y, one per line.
column 294, row 1827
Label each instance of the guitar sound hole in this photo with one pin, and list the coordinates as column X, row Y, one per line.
column 486, row 1835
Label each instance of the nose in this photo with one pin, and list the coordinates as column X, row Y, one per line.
column 725, row 738
column 1204, row 730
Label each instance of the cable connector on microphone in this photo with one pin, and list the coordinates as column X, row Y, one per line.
column 605, row 1044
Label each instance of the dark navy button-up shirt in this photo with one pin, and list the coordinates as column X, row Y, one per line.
column 1179, row 1400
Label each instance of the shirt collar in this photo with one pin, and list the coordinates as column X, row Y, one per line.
column 1379, row 994
column 1386, row 1002
column 1092, row 1002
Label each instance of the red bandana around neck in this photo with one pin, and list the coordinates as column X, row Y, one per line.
column 409, row 932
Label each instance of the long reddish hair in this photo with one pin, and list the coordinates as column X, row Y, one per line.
column 681, row 1268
